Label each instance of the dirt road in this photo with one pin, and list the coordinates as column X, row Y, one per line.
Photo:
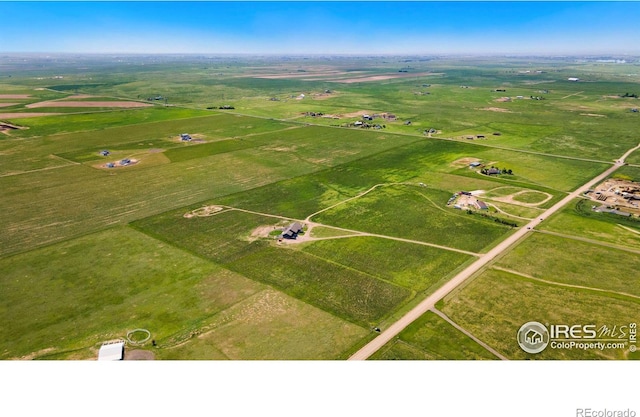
column 430, row 302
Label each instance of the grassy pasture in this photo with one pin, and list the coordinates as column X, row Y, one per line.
column 495, row 305
column 577, row 219
column 313, row 301
column 429, row 338
column 422, row 217
column 266, row 326
column 52, row 205
column 514, row 210
column 418, row 268
column 69, row 297
column 346, row 293
column 225, row 239
column 542, row 256
column 53, row 125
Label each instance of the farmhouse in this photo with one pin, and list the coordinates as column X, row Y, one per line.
column 111, row 351
column 475, row 164
column 493, row 171
column 292, row 231
column 185, row 137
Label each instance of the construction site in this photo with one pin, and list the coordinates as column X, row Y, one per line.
column 616, row 196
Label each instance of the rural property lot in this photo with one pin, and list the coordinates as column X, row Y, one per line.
column 190, row 242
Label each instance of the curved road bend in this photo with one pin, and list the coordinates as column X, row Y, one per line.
column 429, row 302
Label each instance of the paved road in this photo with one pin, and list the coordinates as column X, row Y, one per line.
column 430, row 302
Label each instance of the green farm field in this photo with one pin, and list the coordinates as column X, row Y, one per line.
column 89, row 253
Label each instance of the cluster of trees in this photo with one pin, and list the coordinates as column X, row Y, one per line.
column 495, row 219
column 493, row 170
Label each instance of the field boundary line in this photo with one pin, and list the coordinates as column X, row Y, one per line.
column 468, row 334
column 629, row 229
column 560, row 284
column 362, row 194
column 571, row 95
column 12, row 174
column 357, row 233
column 587, row 240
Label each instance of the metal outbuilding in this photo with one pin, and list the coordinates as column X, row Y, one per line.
column 111, row 351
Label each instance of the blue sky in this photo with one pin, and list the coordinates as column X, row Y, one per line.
column 335, row 27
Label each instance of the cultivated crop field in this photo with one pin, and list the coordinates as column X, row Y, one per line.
column 112, row 222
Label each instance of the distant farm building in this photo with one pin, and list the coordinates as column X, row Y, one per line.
column 185, row 137
column 475, row 164
column 574, row 79
column 493, row 171
column 292, row 231
column 104, row 153
column 125, row 162
column 481, row 205
column 111, row 351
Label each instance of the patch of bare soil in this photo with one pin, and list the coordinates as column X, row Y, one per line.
column 464, row 161
column 592, row 115
column 511, row 200
column 503, row 99
column 14, row 96
column 195, row 138
column 263, row 231
column 118, row 164
column 138, row 355
column 382, row 77
column 34, row 355
column 357, row 113
column 6, row 128
column 8, row 104
column 497, row 109
column 203, row 212
column 25, row 115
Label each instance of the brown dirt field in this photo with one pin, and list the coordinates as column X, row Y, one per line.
column 592, row 115
column 8, row 104
column 119, row 104
column 15, row 96
column 503, row 99
column 383, row 77
column 25, row 115
column 138, row 355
